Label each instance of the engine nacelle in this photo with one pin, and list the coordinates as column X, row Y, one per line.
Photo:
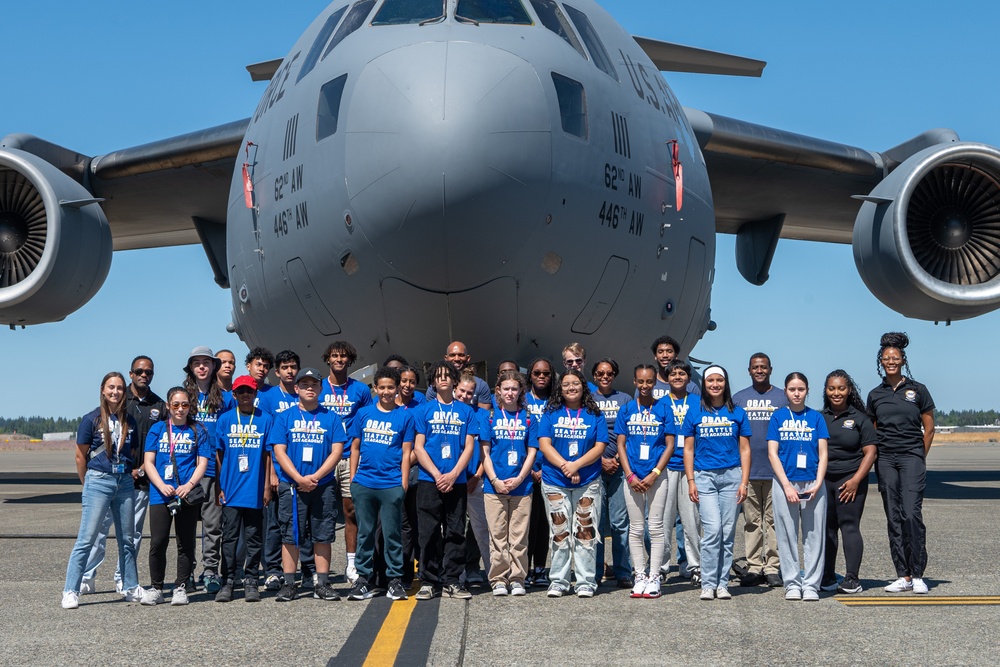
column 927, row 239
column 55, row 243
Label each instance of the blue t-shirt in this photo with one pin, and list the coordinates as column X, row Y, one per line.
column 309, row 436
column 481, row 418
column 661, row 389
column 760, row 406
column 208, row 420
column 573, row 434
column 90, row 433
column 416, row 401
column 798, row 433
column 345, row 402
column 189, row 446
column 510, row 435
column 381, row 435
column 536, row 408
column 716, row 435
column 241, row 440
column 276, row 400
column 611, row 405
column 645, row 431
column 445, row 427
column 679, row 409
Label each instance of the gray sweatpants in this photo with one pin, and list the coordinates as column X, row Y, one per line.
column 788, row 517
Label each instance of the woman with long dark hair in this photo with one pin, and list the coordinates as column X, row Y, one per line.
column 851, row 452
column 104, row 463
column 903, row 413
column 541, row 375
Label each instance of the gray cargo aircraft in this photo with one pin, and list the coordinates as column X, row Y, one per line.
column 517, row 174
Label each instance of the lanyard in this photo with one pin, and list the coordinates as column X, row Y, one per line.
column 570, row 415
column 244, row 435
column 511, row 425
column 310, row 426
column 674, row 408
column 643, row 421
column 170, row 437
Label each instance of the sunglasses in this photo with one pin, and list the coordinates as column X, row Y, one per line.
column 148, row 372
column 573, row 362
column 541, row 374
column 180, row 405
column 244, row 390
column 604, row 374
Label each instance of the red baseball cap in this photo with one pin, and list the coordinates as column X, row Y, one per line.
column 244, row 381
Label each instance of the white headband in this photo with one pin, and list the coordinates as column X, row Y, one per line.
column 714, row 370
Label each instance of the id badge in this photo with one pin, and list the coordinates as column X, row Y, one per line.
column 512, row 458
column 307, row 454
column 168, row 472
column 446, row 451
column 118, row 468
column 244, row 463
column 644, row 452
column 574, row 448
column 800, row 461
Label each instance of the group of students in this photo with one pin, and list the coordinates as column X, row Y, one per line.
column 277, row 463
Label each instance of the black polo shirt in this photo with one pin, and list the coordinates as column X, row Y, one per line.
column 849, row 431
column 146, row 412
column 896, row 414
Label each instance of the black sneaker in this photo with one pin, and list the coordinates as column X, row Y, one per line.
column 458, row 592
column 325, row 592
column 286, row 593
column 361, row 591
column 849, row 585
column 225, row 593
column 828, row 584
column 396, row 590
column 250, row 591
column 774, row 580
column 189, row 585
column 273, row 582
column 752, row 579
column 696, row 577
column 542, row 578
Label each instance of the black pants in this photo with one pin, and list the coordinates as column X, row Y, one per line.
column 185, row 526
column 411, row 545
column 845, row 518
column 271, row 556
column 251, row 523
column 441, row 523
column 538, row 530
column 901, row 480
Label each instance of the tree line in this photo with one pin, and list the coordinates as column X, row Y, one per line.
column 35, row 427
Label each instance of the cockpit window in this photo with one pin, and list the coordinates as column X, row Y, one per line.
column 572, row 105
column 328, row 111
column 552, row 18
column 400, row 12
column 593, row 42
column 355, row 19
column 317, row 48
column 493, row 11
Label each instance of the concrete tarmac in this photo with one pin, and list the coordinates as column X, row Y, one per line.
column 40, row 512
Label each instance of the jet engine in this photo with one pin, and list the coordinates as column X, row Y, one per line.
column 927, row 239
column 55, row 243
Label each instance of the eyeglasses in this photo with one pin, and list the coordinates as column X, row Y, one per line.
column 180, row 405
column 574, row 362
column 604, row 374
column 541, row 374
column 148, row 372
column 574, row 385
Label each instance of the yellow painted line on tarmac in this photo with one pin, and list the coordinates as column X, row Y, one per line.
column 920, row 601
column 385, row 648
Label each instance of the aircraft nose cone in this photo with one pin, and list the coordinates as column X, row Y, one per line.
column 448, row 145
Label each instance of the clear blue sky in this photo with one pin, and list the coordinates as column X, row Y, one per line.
column 103, row 75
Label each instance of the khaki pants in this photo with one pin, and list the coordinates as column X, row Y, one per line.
column 758, row 529
column 508, row 518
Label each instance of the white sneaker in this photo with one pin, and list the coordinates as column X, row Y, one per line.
column 87, row 586
column 134, row 595
column 178, row 597
column 120, row 587
column 517, row 589
column 707, row 594
column 499, row 589
column 351, row 573
column 809, row 595
column 639, row 587
column 70, row 600
column 723, row 593
column 152, row 596
column 652, row 588
column 901, row 585
column 919, row 585
column 793, row 594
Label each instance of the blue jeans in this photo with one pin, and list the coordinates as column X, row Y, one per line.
column 96, row 558
column 574, row 515
column 614, row 523
column 102, row 491
column 717, row 502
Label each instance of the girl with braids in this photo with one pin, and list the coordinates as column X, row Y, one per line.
column 903, row 413
column 572, row 435
column 175, row 461
column 104, row 463
column 850, row 455
column 717, row 466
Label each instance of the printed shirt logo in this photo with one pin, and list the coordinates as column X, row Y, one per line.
column 183, row 443
column 244, row 436
column 571, row 428
column 715, row 426
column 643, row 424
column 446, row 422
column 339, row 403
column 759, row 409
column 154, row 413
column 307, row 431
column 795, row 429
column 680, row 412
column 505, row 428
column 848, row 423
column 610, row 409
column 910, row 395
column 378, row 432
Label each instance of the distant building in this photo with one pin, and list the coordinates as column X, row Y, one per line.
column 52, row 437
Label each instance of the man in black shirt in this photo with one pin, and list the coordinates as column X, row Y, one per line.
column 146, row 408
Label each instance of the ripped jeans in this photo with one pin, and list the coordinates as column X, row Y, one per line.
column 574, row 515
